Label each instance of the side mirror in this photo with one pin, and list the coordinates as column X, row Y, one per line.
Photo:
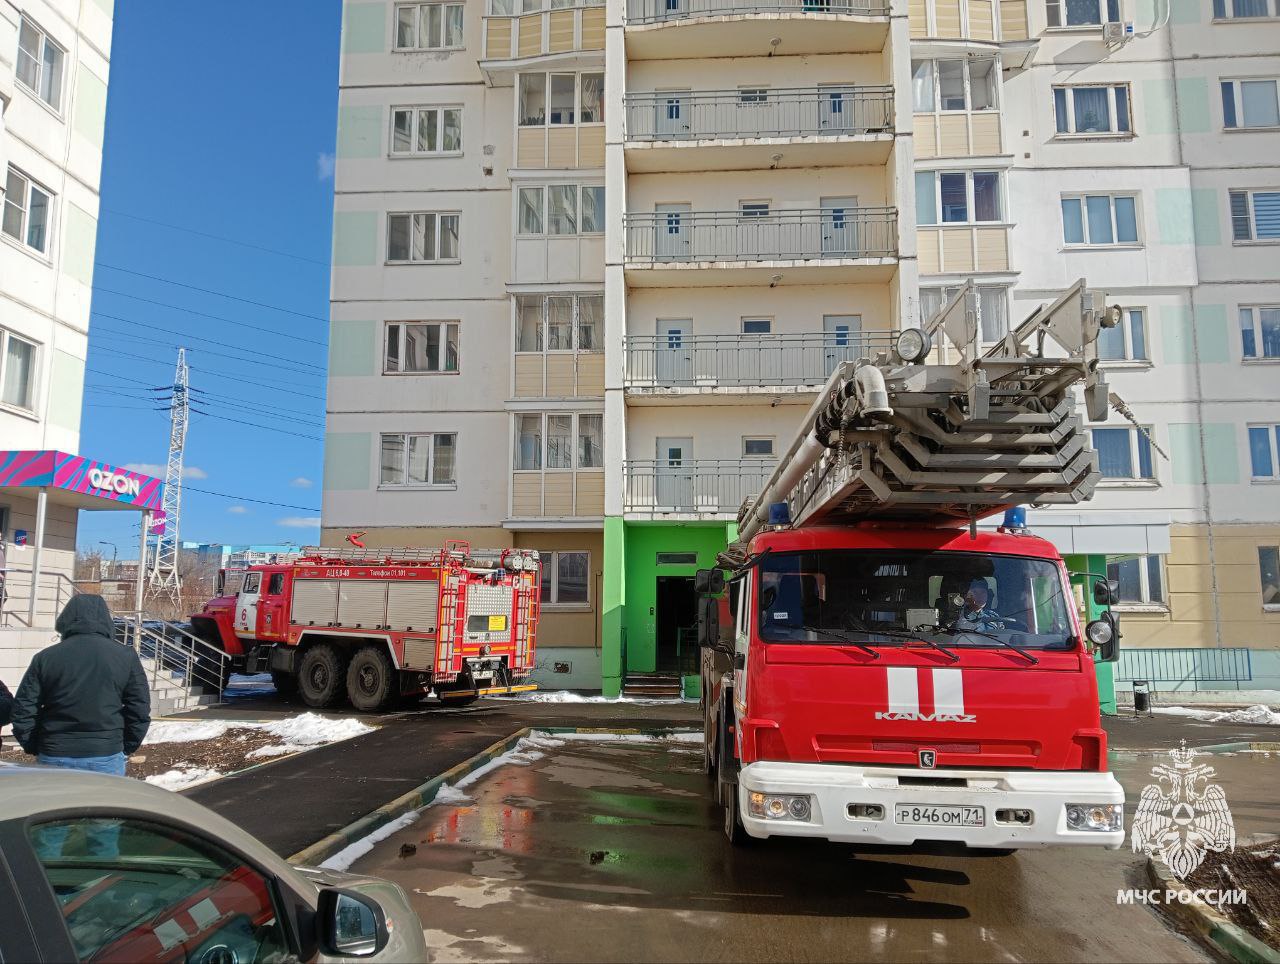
column 351, row 924
column 708, row 622
column 1106, row 592
column 708, row 582
column 1104, row 634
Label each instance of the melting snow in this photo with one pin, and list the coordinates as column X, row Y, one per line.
column 183, row 732
column 1256, row 715
column 565, row 696
column 349, row 854
column 181, row 779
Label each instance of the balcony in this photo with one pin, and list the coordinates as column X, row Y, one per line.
column 723, row 130
column 567, row 38
column 691, row 489
column 672, row 368
column 830, row 245
column 691, row 29
column 963, row 249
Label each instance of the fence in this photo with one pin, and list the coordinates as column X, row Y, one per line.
column 1184, row 666
column 787, row 112
column 179, row 657
column 54, row 591
column 657, row 11
column 712, row 487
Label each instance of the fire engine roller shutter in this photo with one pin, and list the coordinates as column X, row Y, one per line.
column 419, row 653
column 413, row 606
column 315, row 602
column 362, row 603
column 484, row 599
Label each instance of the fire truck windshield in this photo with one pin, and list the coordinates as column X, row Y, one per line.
column 890, row 596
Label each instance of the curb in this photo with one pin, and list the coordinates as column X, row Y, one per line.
column 1238, row 748
column 1226, row 937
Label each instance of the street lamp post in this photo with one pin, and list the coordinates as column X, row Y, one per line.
column 115, row 554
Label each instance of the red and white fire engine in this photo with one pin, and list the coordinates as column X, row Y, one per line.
column 881, row 671
column 378, row 625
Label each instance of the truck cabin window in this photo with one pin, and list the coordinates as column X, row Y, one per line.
column 890, row 597
column 251, row 582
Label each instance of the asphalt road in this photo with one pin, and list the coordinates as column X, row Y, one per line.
column 613, row 851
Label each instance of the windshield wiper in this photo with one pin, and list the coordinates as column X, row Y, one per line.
column 841, row 636
column 894, row 634
column 1003, row 642
column 753, row 560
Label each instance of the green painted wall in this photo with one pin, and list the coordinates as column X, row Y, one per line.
column 347, row 458
column 66, row 390
column 79, row 239
column 1220, row 453
column 612, row 619
column 352, row 346
column 359, row 132
column 355, row 238
column 90, row 116
column 364, row 28
column 1078, row 566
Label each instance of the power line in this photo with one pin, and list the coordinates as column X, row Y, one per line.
column 241, row 498
column 210, row 291
column 187, row 337
column 215, row 237
column 214, row 374
column 111, row 332
column 265, row 428
column 201, row 398
column 97, row 289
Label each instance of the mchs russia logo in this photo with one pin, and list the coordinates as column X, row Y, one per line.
column 1183, row 817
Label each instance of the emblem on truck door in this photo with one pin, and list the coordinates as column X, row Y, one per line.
column 903, row 687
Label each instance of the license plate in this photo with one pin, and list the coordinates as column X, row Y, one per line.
column 936, row 816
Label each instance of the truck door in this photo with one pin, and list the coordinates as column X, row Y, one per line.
column 247, row 605
column 273, row 610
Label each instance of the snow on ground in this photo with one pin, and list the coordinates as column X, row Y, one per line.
column 181, row 779
column 348, row 855
column 1255, row 715
column 567, row 696
column 185, row 732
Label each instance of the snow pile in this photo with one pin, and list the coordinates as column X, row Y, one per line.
column 348, row 855
column 186, row 732
column 181, row 779
column 1256, row 715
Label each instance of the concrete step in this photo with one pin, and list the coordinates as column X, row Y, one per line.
column 653, row 686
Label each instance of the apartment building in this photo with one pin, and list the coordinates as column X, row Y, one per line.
column 592, row 262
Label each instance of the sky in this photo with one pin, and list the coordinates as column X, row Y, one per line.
column 217, row 175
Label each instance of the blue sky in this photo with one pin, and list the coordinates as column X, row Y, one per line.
column 220, row 125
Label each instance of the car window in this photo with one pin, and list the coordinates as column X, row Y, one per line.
column 130, row 890
column 276, row 585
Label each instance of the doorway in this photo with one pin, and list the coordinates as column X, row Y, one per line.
column 671, row 228
column 675, row 474
column 675, row 625
column 839, row 226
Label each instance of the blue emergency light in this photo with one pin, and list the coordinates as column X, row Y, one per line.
column 779, row 514
column 1015, row 519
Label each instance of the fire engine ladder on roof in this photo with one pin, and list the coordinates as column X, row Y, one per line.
column 459, row 553
column 895, row 439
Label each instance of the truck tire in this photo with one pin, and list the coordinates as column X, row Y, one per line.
column 733, row 828
column 320, row 676
column 708, row 736
column 372, row 680
column 286, row 684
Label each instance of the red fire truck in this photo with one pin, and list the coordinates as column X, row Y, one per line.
column 379, row 625
column 877, row 669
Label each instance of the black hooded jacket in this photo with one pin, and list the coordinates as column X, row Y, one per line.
column 85, row 696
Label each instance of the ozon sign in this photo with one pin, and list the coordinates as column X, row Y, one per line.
column 111, row 482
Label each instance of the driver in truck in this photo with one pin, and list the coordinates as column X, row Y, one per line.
column 974, row 614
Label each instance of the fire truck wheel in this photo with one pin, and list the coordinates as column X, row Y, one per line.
column 286, row 684
column 320, row 676
column 708, row 741
column 371, row 680
column 733, row 828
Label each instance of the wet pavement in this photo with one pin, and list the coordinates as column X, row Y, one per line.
column 603, row 851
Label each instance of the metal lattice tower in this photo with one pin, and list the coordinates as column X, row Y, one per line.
column 164, row 578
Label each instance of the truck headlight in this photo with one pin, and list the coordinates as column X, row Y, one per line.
column 779, row 806
column 913, row 345
column 1095, row 816
column 1099, row 632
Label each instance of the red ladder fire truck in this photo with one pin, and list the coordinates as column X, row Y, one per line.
column 379, row 625
column 881, row 671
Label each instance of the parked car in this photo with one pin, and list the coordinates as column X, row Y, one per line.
column 99, row 868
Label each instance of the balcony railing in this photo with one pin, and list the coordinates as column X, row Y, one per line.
column 657, row 11
column 792, row 235
column 707, row 487
column 791, row 112
column 713, row 361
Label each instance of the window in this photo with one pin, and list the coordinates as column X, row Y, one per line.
column 593, row 209
column 252, row 582
column 753, row 209
column 561, row 99
column 548, row 441
column 552, row 322
column 1081, row 13
column 954, row 85
column 40, row 64
column 590, row 441
column 562, row 209
column 993, row 307
column 17, row 372
column 1250, row 103
column 1260, row 332
column 570, row 209
column 757, row 326
column 757, row 448
column 429, row 26
column 675, row 558
column 753, row 95
column 528, row 442
column 1092, row 110
column 275, row 586
column 1242, row 9
column 426, row 130
column 1255, row 215
column 421, row 347
column 566, row 578
column 961, row 197
column 1264, row 451
column 162, row 875
column 419, row 459
column 1127, row 341
column 1269, row 570
column 1100, row 219
column 591, row 99
column 28, row 211
column 422, row 237
column 1124, row 453
column 1140, row 578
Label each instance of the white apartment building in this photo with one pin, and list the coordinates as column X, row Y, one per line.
column 592, row 261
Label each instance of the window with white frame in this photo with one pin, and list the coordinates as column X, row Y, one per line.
column 556, row 100
column 549, row 440
column 40, row 64
column 422, row 237
column 1269, row 570
column 28, row 211
column 429, row 26
column 757, row 447
column 1081, row 13
column 1100, row 219
column 954, row 85
column 1250, row 103
column 1245, row 9
column 993, row 308
column 1264, row 451
column 508, row 8
column 560, row 209
column 1092, row 109
column 1260, row 331
column 420, row 348
column 757, row 326
column 1255, row 215
column 566, row 578
column 751, row 96
column 17, row 372
column 559, row 322
column 1124, row 453
column 426, row 130
column 1127, row 341
column 1141, row 579
column 418, row 459
column 957, row 197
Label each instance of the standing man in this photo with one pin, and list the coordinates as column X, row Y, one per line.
column 84, row 702
column 6, row 706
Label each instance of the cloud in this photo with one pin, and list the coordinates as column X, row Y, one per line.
column 158, row 471
column 237, row 510
column 324, row 166
column 302, row 482
column 299, row 522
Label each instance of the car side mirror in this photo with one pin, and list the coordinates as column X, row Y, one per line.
column 708, row 582
column 351, row 924
column 1106, row 592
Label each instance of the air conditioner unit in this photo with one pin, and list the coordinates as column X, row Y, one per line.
column 1115, row 33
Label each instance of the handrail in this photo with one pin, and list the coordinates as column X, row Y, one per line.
column 774, row 112
column 659, row 11
column 60, row 580
column 197, row 661
column 705, row 486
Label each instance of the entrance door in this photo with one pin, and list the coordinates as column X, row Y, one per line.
column 672, row 114
column 675, row 473
column 839, row 233
column 247, row 604
column 840, row 340
column 671, row 242
column 835, row 107
column 675, row 625
column 675, row 352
